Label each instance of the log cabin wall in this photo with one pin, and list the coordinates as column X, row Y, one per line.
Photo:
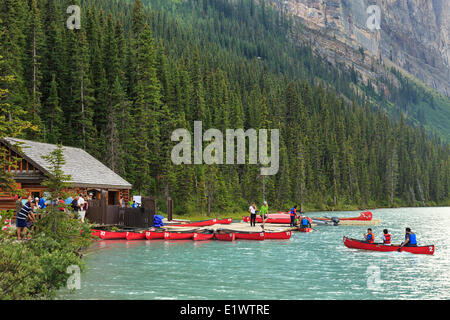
column 29, row 172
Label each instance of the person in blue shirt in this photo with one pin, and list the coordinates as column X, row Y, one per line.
column 304, row 222
column 42, row 204
column 410, row 239
column 293, row 214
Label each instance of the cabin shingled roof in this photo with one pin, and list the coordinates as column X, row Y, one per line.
column 84, row 169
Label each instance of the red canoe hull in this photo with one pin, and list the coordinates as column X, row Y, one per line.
column 225, row 236
column 250, row 236
column 150, row 235
column 364, row 216
column 197, row 223
column 224, row 221
column 96, row 233
column 356, row 244
column 202, row 236
column 178, row 236
column 108, row 235
column 305, row 229
column 135, row 236
column 278, row 235
column 272, row 218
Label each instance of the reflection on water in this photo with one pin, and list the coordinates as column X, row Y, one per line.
column 312, row 265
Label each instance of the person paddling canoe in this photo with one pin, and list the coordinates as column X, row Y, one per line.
column 293, row 214
column 386, row 237
column 410, row 239
column 369, row 237
column 304, row 222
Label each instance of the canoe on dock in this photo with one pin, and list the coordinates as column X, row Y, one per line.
column 225, row 236
column 150, row 235
column 250, row 235
column 109, row 235
column 135, row 235
column 358, row 244
column 224, row 221
column 96, row 233
column 272, row 218
column 201, row 223
column 178, row 235
column 278, row 235
column 202, row 236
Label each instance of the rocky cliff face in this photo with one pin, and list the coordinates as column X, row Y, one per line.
column 414, row 35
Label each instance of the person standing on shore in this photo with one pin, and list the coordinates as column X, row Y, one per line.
column 21, row 217
column 264, row 211
column 252, row 210
column 81, row 211
column 75, row 206
column 19, row 204
column 293, row 214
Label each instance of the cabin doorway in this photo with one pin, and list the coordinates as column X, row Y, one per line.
column 113, row 198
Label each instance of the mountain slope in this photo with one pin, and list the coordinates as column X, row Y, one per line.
column 414, row 38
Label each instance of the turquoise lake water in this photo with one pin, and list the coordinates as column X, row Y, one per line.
column 312, row 265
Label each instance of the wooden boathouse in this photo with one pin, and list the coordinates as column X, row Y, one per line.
column 89, row 176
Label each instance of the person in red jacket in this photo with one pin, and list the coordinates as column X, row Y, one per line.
column 293, row 214
column 386, row 237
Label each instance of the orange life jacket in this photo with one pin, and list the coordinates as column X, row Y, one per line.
column 388, row 239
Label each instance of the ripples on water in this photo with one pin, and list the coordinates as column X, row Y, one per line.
column 308, row 266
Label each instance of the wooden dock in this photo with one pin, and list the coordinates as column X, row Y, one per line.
column 372, row 222
column 236, row 227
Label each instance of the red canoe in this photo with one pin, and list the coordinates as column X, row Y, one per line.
column 250, row 235
column 224, row 221
column 225, row 236
column 358, row 244
column 278, row 235
column 272, row 218
column 202, row 223
column 149, row 235
column 363, row 216
column 94, row 233
column 107, row 235
column 178, row 235
column 305, row 229
column 135, row 236
column 202, row 236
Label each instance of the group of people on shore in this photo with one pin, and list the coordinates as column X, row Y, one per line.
column 410, row 238
column 80, row 205
column 27, row 209
column 264, row 211
column 130, row 204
